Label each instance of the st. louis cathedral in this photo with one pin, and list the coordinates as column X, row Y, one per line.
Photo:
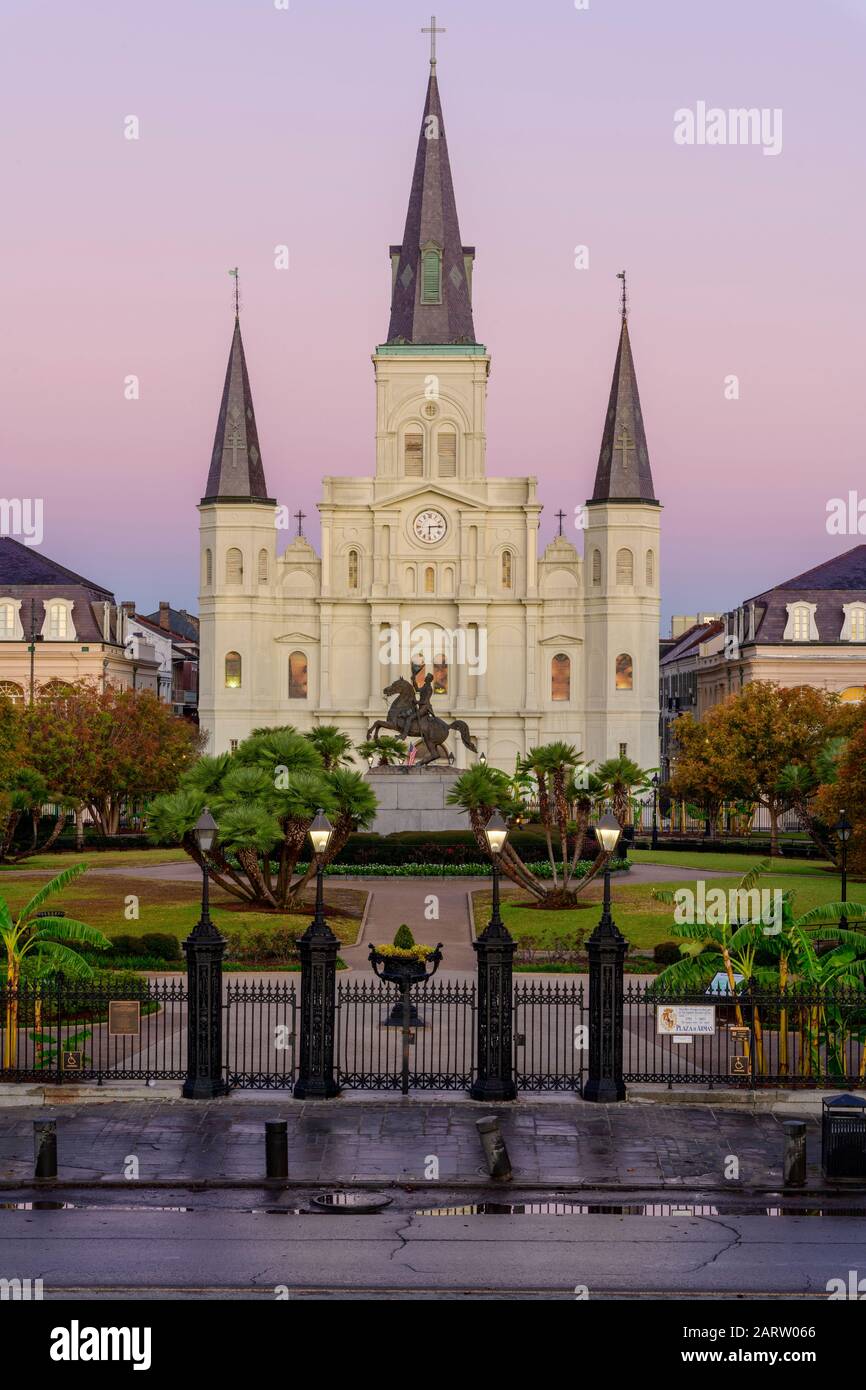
column 431, row 558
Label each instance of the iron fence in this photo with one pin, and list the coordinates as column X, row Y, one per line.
column 260, row 1033
column 369, row 1036
column 55, row 1030
column 550, row 1040
column 793, row 1036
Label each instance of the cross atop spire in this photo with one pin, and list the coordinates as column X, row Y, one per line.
column 433, row 31
column 234, row 274
column 620, row 275
column 236, row 473
column 431, row 270
column 624, row 473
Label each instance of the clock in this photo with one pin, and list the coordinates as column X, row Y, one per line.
column 430, row 526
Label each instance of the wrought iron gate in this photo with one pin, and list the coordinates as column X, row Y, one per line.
column 369, row 1036
column 550, row 1035
column 259, row 1036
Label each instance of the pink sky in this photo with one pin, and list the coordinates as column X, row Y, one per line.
column 261, row 126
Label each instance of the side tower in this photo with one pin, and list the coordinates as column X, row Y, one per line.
column 237, row 539
column 621, row 580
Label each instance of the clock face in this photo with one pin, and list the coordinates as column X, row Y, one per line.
column 430, row 526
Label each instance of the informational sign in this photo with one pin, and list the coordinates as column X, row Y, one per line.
column 738, row 1035
column 124, row 1018
column 73, row 1061
column 685, row 1020
column 741, row 1066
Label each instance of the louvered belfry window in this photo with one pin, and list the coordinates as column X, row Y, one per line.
column 431, row 277
column 413, row 455
column 447, row 446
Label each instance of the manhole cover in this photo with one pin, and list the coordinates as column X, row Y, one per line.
column 351, row 1203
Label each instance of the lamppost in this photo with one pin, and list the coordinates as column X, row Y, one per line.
column 495, row 951
column 370, row 761
column 843, row 829
column 655, row 787
column 606, row 949
column 482, row 758
column 204, row 948
column 318, row 952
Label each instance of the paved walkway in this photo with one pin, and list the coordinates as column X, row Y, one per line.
column 633, row 1145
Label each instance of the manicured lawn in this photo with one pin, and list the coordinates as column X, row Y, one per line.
column 104, row 859
column 166, row 906
column 732, row 863
column 642, row 920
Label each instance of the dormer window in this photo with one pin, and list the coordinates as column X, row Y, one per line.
column 801, row 625
column 854, row 626
column 431, row 275
column 58, row 626
column 7, row 620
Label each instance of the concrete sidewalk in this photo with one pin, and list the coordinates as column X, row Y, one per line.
column 559, row 1143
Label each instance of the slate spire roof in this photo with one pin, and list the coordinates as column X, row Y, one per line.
column 623, row 472
column 236, row 471
column 431, row 223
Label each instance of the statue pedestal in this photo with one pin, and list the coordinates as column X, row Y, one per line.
column 415, row 798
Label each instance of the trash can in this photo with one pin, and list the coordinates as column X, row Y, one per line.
column 843, row 1139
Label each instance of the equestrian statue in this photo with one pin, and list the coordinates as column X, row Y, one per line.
column 411, row 716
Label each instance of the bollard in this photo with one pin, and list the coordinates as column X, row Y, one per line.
column 45, row 1148
column 794, row 1163
column 277, row 1148
column 495, row 1152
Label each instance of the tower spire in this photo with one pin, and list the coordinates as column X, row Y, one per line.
column 236, row 473
column 431, row 269
column 623, row 473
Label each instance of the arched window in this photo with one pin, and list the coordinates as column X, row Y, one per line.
column 624, row 567
column 800, row 624
column 409, row 579
column 7, row 620
column 440, row 674
column 233, row 671
column 507, row 569
column 429, row 580
column 413, row 454
column 448, row 579
column 58, row 621
column 297, row 676
column 431, row 276
column 624, row 672
column 596, row 567
column 208, row 568
column 12, row 692
column 446, row 448
column 263, row 567
column 234, row 565
column 650, row 569
column 353, row 569
column 560, row 677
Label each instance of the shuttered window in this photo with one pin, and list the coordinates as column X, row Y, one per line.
column 413, row 455
column 234, row 565
column 447, row 446
column 596, row 567
column 431, row 277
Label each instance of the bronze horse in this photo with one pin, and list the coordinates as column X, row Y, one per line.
column 431, row 731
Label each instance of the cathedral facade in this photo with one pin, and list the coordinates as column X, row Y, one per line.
column 431, row 563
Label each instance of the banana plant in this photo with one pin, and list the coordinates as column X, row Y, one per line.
column 49, row 941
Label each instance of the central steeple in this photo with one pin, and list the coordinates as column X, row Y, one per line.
column 623, row 473
column 431, row 271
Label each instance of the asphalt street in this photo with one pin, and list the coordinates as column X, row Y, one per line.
column 258, row 1246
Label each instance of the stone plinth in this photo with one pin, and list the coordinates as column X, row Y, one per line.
column 414, row 798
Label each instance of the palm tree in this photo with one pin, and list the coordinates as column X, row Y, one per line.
column 388, row 749
column 264, row 797
column 333, row 746
column 45, row 939
column 621, row 778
